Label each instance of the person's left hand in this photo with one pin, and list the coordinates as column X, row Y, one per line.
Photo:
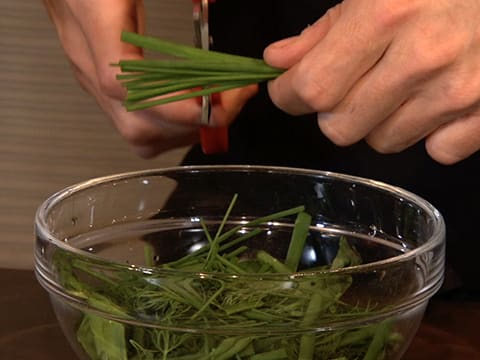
column 391, row 72
column 89, row 31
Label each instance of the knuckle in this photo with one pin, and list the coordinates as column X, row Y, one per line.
column 334, row 13
column 146, row 152
column 430, row 55
column 108, row 84
column 133, row 134
column 459, row 100
column 381, row 146
column 314, row 90
column 83, row 82
column 455, row 141
column 339, row 136
column 461, row 93
column 389, row 14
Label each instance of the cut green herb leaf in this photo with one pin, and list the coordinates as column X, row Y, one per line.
column 216, row 289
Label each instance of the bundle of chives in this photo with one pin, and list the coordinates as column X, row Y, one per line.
column 202, row 72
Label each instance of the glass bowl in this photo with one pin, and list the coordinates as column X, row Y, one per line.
column 238, row 262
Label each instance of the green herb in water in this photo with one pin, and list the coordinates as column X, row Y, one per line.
column 236, row 317
column 200, row 72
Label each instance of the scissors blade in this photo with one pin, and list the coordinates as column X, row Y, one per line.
column 202, row 40
column 214, row 140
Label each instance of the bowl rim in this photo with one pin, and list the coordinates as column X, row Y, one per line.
column 436, row 239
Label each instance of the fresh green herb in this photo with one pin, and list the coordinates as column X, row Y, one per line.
column 235, row 317
column 199, row 72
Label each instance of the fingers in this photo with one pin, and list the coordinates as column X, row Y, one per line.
column 391, row 104
column 74, row 45
column 101, row 24
column 287, row 52
column 455, row 140
column 375, row 97
column 150, row 135
column 147, row 132
column 325, row 74
column 444, row 111
column 446, row 87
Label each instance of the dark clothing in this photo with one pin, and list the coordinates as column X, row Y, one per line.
column 264, row 135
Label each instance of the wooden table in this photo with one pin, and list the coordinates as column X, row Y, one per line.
column 29, row 330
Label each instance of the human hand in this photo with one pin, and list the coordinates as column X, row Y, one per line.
column 89, row 31
column 391, row 72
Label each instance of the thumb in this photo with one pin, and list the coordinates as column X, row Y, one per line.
column 287, row 52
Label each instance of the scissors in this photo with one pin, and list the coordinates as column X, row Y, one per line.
column 212, row 139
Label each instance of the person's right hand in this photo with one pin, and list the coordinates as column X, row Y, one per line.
column 390, row 72
column 89, row 31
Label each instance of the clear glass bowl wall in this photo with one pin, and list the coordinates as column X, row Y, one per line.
column 107, row 222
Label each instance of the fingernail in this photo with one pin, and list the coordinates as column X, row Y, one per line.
column 324, row 116
column 283, row 43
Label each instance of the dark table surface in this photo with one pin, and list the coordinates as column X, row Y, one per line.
column 29, row 331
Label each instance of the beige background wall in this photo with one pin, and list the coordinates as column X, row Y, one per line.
column 51, row 133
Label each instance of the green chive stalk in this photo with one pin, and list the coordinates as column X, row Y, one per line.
column 192, row 72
